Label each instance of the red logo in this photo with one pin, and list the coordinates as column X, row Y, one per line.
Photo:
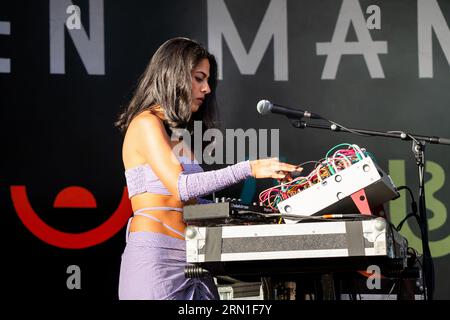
column 71, row 197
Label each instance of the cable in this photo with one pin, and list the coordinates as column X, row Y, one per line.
column 349, row 130
column 405, row 134
column 336, row 159
column 413, row 200
column 413, row 209
column 428, row 265
column 428, row 274
column 409, row 215
column 392, row 289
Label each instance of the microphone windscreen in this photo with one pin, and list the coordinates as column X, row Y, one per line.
column 444, row 141
column 264, row 107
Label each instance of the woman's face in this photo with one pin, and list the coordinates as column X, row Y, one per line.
column 200, row 86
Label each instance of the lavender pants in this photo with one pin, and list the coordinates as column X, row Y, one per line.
column 152, row 268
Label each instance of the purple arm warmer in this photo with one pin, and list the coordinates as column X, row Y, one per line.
column 202, row 183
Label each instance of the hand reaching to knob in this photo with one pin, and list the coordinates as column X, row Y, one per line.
column 272, row 168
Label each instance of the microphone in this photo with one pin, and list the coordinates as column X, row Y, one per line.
column 265, row 107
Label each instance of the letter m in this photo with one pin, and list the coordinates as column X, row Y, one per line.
column 274, row 24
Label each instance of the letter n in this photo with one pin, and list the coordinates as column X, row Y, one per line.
column 91, row 49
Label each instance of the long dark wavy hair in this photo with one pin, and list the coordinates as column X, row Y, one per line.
column 167, row 83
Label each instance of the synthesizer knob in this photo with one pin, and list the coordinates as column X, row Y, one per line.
column 380, row 224
column 190, row 233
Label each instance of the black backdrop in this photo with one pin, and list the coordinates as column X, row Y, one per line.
column 59, row 142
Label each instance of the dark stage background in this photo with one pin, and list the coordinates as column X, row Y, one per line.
column 63, row 80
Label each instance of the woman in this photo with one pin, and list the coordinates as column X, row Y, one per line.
column 177, row 87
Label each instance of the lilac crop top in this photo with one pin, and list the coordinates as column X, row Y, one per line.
column 142, row 179
column 192, row 182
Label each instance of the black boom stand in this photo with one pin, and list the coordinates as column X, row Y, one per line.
column 418, row 149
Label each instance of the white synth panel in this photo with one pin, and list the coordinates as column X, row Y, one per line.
column 335, row 188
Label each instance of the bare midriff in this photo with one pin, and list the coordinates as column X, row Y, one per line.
column 171, row 218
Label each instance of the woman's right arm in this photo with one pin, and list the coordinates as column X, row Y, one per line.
column 200, row 184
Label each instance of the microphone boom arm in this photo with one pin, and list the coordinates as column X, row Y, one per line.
column 418, row 149
column 389, row 134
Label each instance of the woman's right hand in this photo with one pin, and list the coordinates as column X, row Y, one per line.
column 272, row 168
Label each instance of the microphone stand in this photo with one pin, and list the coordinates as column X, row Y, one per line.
column 418, row 149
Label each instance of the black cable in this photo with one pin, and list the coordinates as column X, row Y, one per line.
column 409, row 215
column 427, row 259
column 413, row 200
column 427, row 264
column 415, row 258
column 413, row 209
